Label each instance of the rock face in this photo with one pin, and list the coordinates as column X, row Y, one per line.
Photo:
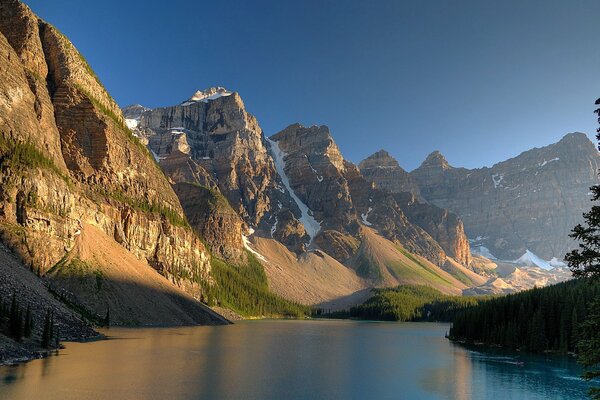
column 341, row 199
column 211, row 140
column 67, row 159
column 530, row 202
column 384, row 170
column 213, row 218
column 443, row 226
column 294, row 187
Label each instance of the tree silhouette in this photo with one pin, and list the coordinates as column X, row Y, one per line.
column 585, row 262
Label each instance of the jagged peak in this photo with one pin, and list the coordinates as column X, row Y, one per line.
column 437, row 160
column 315, row 140
column 379, row 159
column 204, row 96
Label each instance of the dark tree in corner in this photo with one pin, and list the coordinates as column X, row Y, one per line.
column 585, row 262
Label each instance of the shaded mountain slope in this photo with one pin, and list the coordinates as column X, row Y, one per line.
column 101, row 276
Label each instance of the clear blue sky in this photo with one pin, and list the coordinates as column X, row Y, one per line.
column 478, row 80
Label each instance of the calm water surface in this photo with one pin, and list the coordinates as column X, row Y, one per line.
column 288, row 360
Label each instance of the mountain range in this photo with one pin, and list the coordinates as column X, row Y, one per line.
column 145, row 213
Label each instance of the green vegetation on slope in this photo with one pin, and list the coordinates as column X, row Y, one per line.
column 25, row 155
column 536, row 320
column 410, row 303
column 144, row 205
column 244, row 289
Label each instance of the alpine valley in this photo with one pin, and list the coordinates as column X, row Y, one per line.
column 191, row 214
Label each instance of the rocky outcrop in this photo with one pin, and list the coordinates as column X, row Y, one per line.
column 442, row 225
column 383, row 169
column 222, row 138
column 67, row 159
column 213, row 218
column 316, row 172
column 530, row 202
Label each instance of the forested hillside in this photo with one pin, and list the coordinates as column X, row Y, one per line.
column 536, row 320
column 410, row 303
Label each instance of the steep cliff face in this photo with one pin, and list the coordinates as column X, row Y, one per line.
column 443, row 226
column 316, row 172
column 67, row 159
column 224, row 139
column 530, row 202
column 213, row 218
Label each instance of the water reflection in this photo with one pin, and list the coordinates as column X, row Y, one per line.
column 288, row 360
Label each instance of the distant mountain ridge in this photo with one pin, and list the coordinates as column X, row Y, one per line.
column 528, row 203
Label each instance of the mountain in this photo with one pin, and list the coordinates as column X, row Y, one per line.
column 295, row 189
column 528, row 203
column 521, row 209
column 77, row 187
column 149, row 215
column 382, row 168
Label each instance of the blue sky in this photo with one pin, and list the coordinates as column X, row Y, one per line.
column 478, row 80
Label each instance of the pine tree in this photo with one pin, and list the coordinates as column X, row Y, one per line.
column 28, row 323
column 107, row 317
column 588, row 346
column 47, row 333
column 585, row 262
column 15, row 323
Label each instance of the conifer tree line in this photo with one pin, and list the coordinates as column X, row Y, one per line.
column 17, row 322
column 244, row 289
column 407, row 303
column 535, row 320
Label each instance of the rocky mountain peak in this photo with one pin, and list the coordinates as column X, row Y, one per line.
column 577, row 140
column 380, row 159
column 211, row 93
column 435, row 160
column 312, row 141
column 134, row 111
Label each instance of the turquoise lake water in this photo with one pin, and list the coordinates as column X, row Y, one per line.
column 275, row 359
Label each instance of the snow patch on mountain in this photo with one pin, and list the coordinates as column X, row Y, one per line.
column 132, row 123
column 497, row 178
column 274, row 227
column 549, row 161
column 484, row 252
column 365, row 216
column 311, row 225
column 555, row 262
column 532, row 260
column 247, row 246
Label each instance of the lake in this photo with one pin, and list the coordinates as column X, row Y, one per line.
column 281, row 359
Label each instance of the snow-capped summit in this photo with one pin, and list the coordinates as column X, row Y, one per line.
column 206, row 95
